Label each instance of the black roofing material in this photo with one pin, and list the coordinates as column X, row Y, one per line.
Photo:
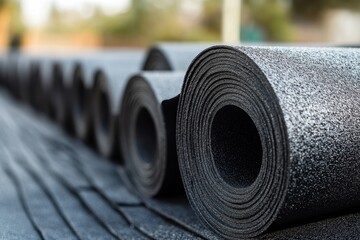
column 62, row 70
column 172, row 56
column 23, row 76
column 84, row 80
column 14, row 220
column 20, row 120
column 269, row 135
column 26, row 78
column 41, row 84
column 38, row 205
column 2, row 67
column 10, row 71
column 147, row 132
column 108, row 90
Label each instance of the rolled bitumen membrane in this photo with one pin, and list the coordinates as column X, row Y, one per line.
column 59, row 177
column 172, row 56
column 108, row 90
column 267, row 136
column 147, row 132
column 23, row 76
column 42, row 84
column 2, row 63
column 9, row 71
column 4, row 69
column 26, row 77
column 82, row 90
column 62, row 70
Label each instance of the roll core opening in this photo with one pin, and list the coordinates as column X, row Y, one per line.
column 145, row 136
column 236, row 146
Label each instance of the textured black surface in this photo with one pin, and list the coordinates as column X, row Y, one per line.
column 82, row 89
column 147, row 132
column 23, row 76
column 62, row 70
column 109, row 87
column 44, row 163
column 44, row 85
column 13, row 213
column 9, row 70
column 87, row 197
column 2, row 67
column 172, row 56
column 268, row 136
column 87, row 177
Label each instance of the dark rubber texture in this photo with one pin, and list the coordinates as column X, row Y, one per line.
column 268, row 136
column 108, row 89
column 54, row 187
column 147, row 132
column 82, row 86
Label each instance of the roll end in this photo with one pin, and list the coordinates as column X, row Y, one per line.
column 232, row 147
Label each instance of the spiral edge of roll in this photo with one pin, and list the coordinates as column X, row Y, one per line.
column 222, row 76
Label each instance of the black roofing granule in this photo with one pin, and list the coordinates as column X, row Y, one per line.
column 268, row 136
column 147, row 132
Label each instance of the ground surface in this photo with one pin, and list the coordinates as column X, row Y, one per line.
column 53, row 187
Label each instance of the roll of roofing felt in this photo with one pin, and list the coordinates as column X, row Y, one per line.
column 10, row 64
column 33, row 87
column 62, row 70
column 82, row 94
column 147, row 132
column 23, row 76
column 41, row 84
column 2, row 68
column 268, row 135
column 172, row 56
column 109, row 86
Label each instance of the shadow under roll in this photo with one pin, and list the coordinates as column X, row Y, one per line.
column 269, row 135
column 147, row 132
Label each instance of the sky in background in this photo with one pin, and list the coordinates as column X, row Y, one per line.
column 36, row 12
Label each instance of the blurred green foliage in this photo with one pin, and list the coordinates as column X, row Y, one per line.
column 147, row 21
column 273, row 17
column 310, row 9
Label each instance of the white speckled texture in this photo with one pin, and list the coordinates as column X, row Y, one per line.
column 304, row 104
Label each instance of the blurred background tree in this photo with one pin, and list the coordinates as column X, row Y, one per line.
column 144, row 22
column 271, row 17
column 11, row 24
column 310, row 9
